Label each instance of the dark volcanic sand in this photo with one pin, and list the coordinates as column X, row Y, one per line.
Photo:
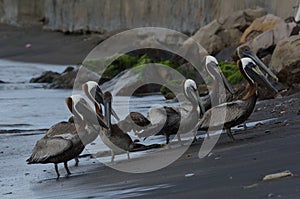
column 233, row 170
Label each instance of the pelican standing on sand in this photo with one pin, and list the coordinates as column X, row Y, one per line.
column 114, row 137
column 170, row 119
column 65, row 141
column 238, row 111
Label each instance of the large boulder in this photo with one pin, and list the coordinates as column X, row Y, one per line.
column 286, row 60
column 226, row 31
column 264, row 33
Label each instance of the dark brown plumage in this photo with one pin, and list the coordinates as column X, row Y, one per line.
column 176, row 120
column 135, row 122
column 236, row 111
column 115, row 138
column 63, row 141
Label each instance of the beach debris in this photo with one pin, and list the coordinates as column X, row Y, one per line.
column 282, row 112
column 270, row 195
column 278, row 175
column 250, row 186
column 189, row 175
column 28, row 45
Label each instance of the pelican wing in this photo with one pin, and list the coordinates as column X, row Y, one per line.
column 61, row 128
column 173, row 116
column 47, row 148
column 152, row 130
column 138, row 118
column 222, row 114
column 164, row 117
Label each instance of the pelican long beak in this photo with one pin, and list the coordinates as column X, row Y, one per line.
column 214, row 69
column 99, row 98
column 226, row 83
column 197, row 97
column 107, row 107
column 257, row 74
column 89, row 115
column 202, row 108
column 253, row 56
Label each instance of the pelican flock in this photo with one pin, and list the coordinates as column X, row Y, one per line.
column 65, row 141
column 237, row 111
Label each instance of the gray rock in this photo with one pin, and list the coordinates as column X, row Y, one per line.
column 286, row 60
column 226, row 31
column 265, row 32
column 46, row 77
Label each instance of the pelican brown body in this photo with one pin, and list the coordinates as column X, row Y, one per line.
column 62, row 142
column 114, row 137
column 237, row 111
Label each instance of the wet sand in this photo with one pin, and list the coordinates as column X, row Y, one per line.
column 233, row 169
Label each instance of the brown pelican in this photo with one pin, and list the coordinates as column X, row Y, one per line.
column 65, row 141
column 214, row 71
column 170, row 119
column 133, row 121
column 114, row 137
column 237, row 111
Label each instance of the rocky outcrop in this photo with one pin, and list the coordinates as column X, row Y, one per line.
column 65, row 80
column 286, row 60
column 226, row 31
column 265, row 32
column 46, row 77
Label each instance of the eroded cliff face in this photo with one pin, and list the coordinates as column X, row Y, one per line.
column 108, row 15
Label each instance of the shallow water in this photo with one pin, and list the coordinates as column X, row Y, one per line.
column 27, row 105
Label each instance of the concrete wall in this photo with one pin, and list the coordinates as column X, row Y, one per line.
column 100, row 15
column 21, row 11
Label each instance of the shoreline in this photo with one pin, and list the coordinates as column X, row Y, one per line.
column 231, row 169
